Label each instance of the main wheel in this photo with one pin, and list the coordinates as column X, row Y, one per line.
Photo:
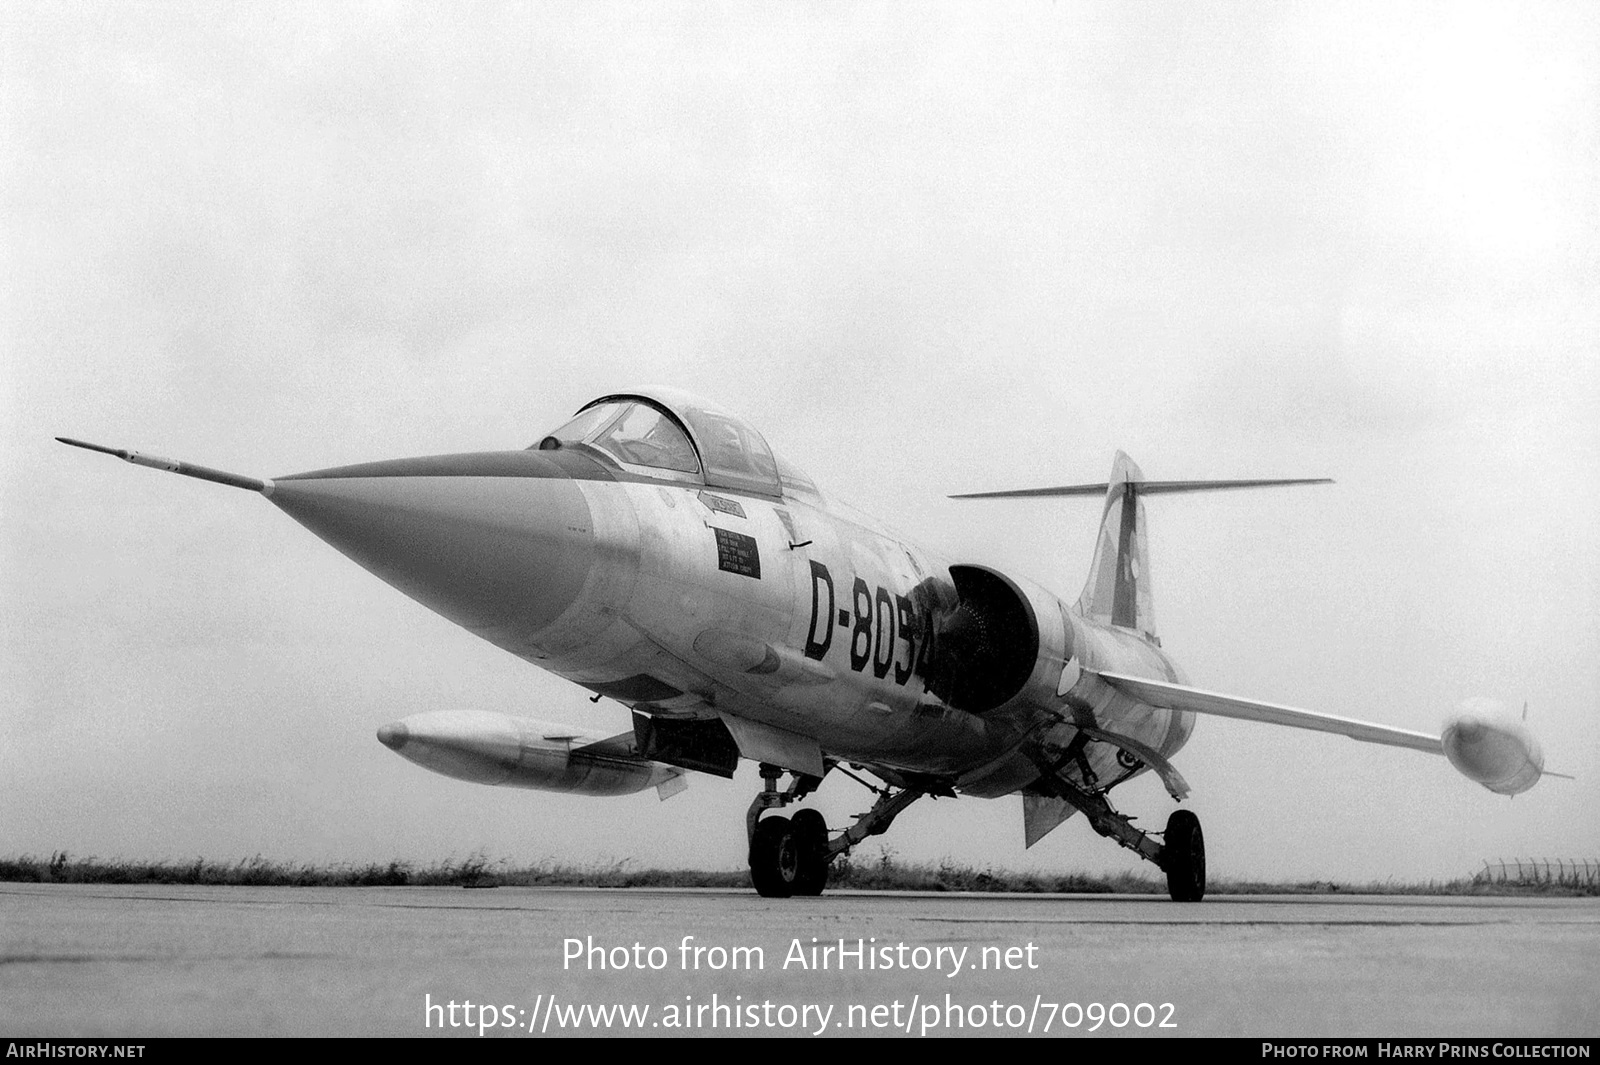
column 811, row 836
column 1183, row 856
column 775, row 859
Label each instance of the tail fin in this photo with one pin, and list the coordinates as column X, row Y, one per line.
column 1118, row 589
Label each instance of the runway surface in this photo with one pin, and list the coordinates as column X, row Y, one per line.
column 84, row 960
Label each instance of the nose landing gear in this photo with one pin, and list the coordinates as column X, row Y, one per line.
column 789, row 856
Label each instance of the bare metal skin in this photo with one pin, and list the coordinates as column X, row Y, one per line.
column 655, row 551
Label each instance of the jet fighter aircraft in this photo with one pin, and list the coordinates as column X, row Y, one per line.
column 655, row 551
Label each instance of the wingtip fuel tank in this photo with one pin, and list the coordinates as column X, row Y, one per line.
column 1486, row 745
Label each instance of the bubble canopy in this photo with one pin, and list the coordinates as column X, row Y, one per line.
column 671, row 433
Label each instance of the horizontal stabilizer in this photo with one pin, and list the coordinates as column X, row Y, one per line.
column 1144, row 488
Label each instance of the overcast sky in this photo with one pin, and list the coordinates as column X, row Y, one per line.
column 926, row 249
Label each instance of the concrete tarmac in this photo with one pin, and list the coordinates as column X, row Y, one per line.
column 115, row 961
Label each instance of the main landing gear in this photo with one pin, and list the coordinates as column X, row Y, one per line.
column 1183, row 857
column 790, row 855
column 1181, row 854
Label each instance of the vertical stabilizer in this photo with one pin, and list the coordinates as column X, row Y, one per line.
column 1118, row 589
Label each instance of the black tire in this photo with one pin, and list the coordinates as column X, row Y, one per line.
column 775, row 859
column 1183, row 856
column 811, row 836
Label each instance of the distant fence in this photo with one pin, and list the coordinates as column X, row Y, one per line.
column 1574, row 871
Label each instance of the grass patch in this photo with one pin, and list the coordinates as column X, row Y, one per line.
column 884, row 873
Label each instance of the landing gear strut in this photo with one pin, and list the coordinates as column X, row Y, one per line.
column 1181, row 855
column 790, row 855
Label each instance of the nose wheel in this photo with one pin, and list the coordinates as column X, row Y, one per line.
column 810, row 834
column 789, row 856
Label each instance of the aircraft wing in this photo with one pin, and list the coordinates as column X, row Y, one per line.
column 1198, row 701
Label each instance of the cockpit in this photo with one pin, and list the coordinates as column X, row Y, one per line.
column 674, row 436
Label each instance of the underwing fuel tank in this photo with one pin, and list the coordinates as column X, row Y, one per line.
column 1485, row 745
column 519, row 752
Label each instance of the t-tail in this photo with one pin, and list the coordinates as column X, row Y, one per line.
column 1118, row 589
column 1480, row 739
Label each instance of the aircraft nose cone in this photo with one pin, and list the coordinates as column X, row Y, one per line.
column 503, row 554
column 394, row 735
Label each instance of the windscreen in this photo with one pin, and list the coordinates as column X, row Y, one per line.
column 644, row 436
column 582, row 426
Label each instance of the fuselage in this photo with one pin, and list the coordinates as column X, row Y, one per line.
column 655, row 551
column 806, row 628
